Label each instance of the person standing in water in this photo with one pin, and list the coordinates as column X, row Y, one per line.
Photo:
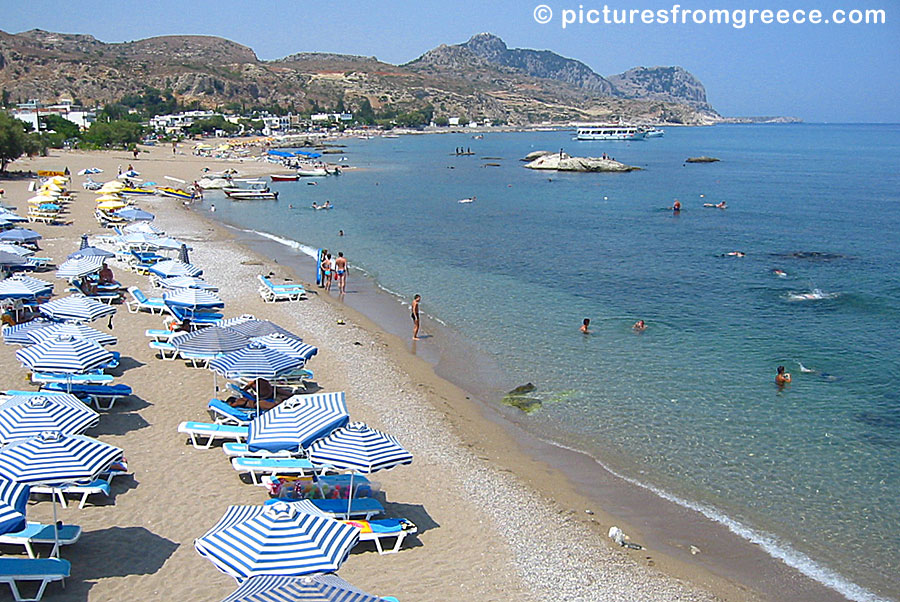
column 414, row 314
column 584, row 326
column 340, row 272
column 781, row 377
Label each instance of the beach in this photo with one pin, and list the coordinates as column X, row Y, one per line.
column 496, row 521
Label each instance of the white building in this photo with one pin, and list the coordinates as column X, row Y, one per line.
column 31, row 111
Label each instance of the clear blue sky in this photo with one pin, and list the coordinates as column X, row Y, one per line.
column 817, row 72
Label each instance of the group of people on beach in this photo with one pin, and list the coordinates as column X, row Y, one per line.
column 333, row 269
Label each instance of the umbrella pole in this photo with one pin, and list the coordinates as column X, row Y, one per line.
column 55, row 552
column 350, row 494
column 257, row 396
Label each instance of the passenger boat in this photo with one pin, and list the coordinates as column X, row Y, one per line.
column 175, row 193
column 252, row 195
column 610, row 132
column 284, row 178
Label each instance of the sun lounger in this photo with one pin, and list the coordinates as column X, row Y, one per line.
column 40, row 533
column 363, row 508
column 212, row 432
column 45, row 570
column 196, row 318
column 197, row 360
column 140, row 302
column 104, row 397
column 242, row 450
column 384, row 529
column 272, row 466
column 164, row 350
column 223, row 413
column 99, row 485
column 73, row 379
column 271, row 293
column 163, row 335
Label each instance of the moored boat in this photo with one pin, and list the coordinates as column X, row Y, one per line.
column 284, row 177
column 176, row 193
column 312, row 172
column 252, row 195
column 610, row 132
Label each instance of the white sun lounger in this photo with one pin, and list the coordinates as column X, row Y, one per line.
column 45, row 570
column 271, row 293
column 242, row 450
column 363, row 508
column 40, row 533
column 383, row 529
column 212, row 432
column 275, row 466
column 140, row 302
column 100, row 485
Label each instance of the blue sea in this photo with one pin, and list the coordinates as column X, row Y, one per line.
column 689, row 406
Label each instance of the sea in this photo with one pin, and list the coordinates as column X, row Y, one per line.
column 800, row 269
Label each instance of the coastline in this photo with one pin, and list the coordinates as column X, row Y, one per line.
column 476, row 451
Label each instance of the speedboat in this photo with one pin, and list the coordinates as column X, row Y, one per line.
column 284, row 178
column 252, row 195
column 654, row 133
column 175, row 193
column 137, row 191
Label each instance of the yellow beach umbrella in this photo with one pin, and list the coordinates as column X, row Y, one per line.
column 60, row 180
column 109, row 197
column 40, row 199
column 51, row 186
column 50, row 194
column 110, row 205
column 113, row 186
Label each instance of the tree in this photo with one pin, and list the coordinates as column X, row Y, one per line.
column 57, row 130
column 441, row 121
column 13, row 139
column 106, row 134
column 365, row 114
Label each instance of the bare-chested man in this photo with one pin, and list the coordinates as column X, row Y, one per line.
column 340, row 272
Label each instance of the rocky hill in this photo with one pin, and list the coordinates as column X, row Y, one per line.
column 481, row 79
column 670, row 84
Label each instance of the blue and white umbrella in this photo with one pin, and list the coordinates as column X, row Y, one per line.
column 253, row 327
column 65, row 329
column 295, row 423
column 20, row 235
column 80, row 265
column 358, row 448
column 24, row 416
column 133, row 214
column 282, row 539
column 186, row 282
column 309, row 588
column 8, row 259
column 53, row 458
column 142, row 227
column 286, row 345
column 13, row 288
column 9, row 216
column 16, row 249
column 76, row 308
column 65, row 354
column 13, row 502
column 90, row 251
column 40, row 287
column 193, row 298
column 213, row 339
column 18, row 334
column 254, row 361
column 173, row 267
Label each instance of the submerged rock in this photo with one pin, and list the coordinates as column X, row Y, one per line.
column 563, row 162
column 523, row 389
column 703, row 159
column 518, row 398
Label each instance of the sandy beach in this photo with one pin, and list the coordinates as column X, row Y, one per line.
column 489, row 528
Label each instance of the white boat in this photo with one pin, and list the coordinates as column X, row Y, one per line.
column 252, row 195
column 610, row 132
column 654, row 133
column 239, row 186
column 312, row 172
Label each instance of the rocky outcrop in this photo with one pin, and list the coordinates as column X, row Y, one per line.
column 563, row 162
column 539, row 63
column 671, row 84
column 703, row 159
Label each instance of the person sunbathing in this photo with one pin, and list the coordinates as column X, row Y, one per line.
column 268, row 398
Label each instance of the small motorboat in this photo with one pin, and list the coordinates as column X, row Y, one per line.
column 312, row 172
column 252, row 195
column 468, row 200
column 137, row 191
column 175, row 193
column 284, row 178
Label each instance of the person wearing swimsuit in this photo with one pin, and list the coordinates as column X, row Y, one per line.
column 340, row 265
column 327, row 265
column 414, row 314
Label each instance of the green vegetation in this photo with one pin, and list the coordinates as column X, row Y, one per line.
column 16, row 140
column 109, row 134
column 56, row 130
column 216, row 122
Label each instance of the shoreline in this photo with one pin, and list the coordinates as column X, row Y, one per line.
column 649, row 515
column 475, row 424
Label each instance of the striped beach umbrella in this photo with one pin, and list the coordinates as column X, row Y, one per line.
column 282, row 539
column 213, row 339
column 359, row 447
column 142, row 227
column 296, row 422
column 193, row 298
column 64, row 354
column 186, row 282
column 9, row 259
column 18, row 334
column 253, row 328
column 11, row 217
column 173, row 267
column 80, row 265
column 14, row 248
column 24, row 416
column 13, row 502
column 326, row 587
column 65, row 329
column 12, row 288
column 53, row 458
column 288, row 346
column 254, row 361
column 76, row 308
column 90, row 251
column 41, row 287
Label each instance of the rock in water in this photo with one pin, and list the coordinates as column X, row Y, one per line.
column 534, row 155
column 523, row 389
column 563, row 162
column 703, row 159
column 517, row 398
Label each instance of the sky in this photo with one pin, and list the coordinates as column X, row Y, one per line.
column 820, row 73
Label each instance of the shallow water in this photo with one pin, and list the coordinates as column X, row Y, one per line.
column 689, row 406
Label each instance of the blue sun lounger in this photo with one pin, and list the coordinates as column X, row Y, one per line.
column 382, row 529
column 45, row 570
column 74, row 379
column 242, row 450
column 197, row 431
column 274, row 466
column 362, row 508
column 104, row 397
column 40, row 533
column 222, row 413
column 141, row 302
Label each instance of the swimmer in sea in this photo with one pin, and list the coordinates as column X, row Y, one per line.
column 676, row 206
column 584, row 326
column 639, row 326
column 720, row 205
column 735, row 254
column 314, row 205
column 781, row 377
column 779, row 272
